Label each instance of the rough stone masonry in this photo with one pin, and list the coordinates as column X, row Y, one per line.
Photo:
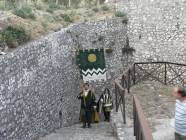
column 39, row 82
column 157, row 29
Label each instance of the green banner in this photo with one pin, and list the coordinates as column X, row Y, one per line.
column 92, row 64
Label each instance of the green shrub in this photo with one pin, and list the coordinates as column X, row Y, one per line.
column 119, row 14
column 24, row 12
column 105, row 8
column 49, row 10
column 14, row 36
column 49, row 18
column 68, row 18
column 125, row 20
column 45, row 26
column 2, row 7
column 7, row 5
column 66, row 24
column 57, row 18
column 38, row 7
column 54, row 6
column 95, row 9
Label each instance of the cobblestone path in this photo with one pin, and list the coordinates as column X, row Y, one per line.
column 101, row 131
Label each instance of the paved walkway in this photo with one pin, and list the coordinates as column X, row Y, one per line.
column 101, row 131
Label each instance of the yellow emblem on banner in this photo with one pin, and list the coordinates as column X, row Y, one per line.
column 92, row 58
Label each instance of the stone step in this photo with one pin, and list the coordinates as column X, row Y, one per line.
column 121, row 130
column 126, row 134
column 100, row 131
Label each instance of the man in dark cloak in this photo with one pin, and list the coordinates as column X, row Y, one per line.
column 88, row 99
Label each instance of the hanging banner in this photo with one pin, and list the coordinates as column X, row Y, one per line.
column 92, row 64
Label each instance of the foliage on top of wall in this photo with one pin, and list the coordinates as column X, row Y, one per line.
column 25, row 12
column 119, row 14
column 14, row 36
column 105, row 8
column 52, row 7
column 95, row 9
column 125, row 20
column 127, row 49
column 68, row 17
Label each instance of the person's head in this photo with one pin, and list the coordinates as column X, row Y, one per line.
column 106, row 91
column 86, row 86
column 179, row 93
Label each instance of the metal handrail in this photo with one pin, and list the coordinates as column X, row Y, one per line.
column 119, row 85
column 142, row 130
column 131, row 72
column 137, row 73
column 120, row 99
column 160, row 62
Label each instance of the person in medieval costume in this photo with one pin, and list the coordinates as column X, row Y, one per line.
column 88, row 104
column 105, row 104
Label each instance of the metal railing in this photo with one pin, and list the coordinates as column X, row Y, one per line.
column 142, row 130
column 163, row 72
column 120, row 99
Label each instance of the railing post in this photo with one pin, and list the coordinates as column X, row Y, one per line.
column 123, row 102
column 123, row 81
column 128, row 85
column 134, row 72
column 165, row 80
column 134, row 116
column 116, row 98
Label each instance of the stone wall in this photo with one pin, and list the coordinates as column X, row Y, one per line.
column 157, row 29
column 40, row 81
column 110, row 34
column 37, row 83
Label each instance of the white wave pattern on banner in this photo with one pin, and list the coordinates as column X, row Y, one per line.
column 94, row 75
column 88, row 71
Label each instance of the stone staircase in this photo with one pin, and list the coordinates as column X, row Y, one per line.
column 159, row 122
column 158, row 107
column 162, row 129
column 121, row 130
column 100, row 131
column 114, row 130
